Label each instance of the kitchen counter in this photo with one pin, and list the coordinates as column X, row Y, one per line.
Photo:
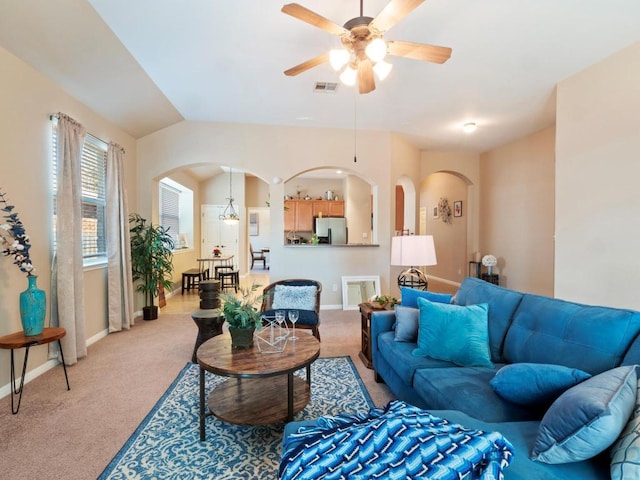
column 325, row 245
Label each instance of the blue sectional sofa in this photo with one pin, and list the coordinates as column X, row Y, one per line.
column 525, row 330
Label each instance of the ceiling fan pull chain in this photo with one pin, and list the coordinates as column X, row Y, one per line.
column 355, row 124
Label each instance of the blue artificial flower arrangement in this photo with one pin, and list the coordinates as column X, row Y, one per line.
column 13, row 238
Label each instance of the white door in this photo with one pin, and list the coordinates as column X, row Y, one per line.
column 218, row 234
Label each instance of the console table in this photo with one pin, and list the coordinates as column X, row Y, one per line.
column 20, row 340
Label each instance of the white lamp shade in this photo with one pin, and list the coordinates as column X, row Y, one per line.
column 376, row 50
column 413, row 251
column 382, row 69
column 338, row 58
column 348, row 77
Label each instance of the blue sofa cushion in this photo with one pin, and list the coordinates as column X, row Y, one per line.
column 502, row 305
column 406, row 324
column 409, row 297
column 399, row 355
column 588, row 418
column 454, row 333
column 535, row 385
column 467, row 389
column 548, row 330
column 625, row 453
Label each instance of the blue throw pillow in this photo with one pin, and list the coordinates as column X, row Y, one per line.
column 586, row 419
column 406, row 324
column 535, row 384
column 409, row 297
column 625, row 453
column 454, row 333
column 294, row 297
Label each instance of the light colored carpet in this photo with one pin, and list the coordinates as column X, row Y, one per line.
column 74, row 434
column 167, row 444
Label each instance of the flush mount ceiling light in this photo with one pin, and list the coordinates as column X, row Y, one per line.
column 363, row 48
column 469, row 127
column 230, row 215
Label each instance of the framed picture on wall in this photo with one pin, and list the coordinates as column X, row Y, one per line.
column 253, row 224
column 457, row 208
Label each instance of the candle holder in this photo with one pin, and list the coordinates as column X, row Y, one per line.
column 272, row 337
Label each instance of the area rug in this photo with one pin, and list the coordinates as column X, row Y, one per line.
column 167, row 442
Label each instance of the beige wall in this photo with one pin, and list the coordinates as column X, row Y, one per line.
column 450, row 239
column 597, row 172
column 270, row 152
column 517, row 211
column 27, row 99
column 358, row 210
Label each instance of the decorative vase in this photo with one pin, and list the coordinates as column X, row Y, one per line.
column 241, row 337
column 33, row 308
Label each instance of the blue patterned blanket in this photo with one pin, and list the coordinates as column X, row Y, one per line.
column 399, row 441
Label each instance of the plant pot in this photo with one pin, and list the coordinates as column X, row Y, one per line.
column 241, row 337
column 150, row 313
column 33, row 308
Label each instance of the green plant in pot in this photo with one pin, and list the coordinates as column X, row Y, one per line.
column 151, row 261
column 241, row 315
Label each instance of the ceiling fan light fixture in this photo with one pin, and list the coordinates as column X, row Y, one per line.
column 349, row 76
column 382, row 69
column 376, row 50
column 338, row 57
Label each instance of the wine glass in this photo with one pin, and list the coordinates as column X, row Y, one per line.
column 293, row 318
column 280, row 321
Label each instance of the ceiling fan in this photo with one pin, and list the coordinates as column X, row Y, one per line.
column 364, row 49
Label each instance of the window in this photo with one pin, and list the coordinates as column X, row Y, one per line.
column 94, row 173
column 170, row 210
column 176, row 211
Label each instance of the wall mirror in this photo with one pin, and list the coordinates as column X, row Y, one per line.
column 356, row 290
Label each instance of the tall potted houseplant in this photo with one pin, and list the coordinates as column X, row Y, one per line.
column 151, row 261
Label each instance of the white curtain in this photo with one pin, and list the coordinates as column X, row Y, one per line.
column 120, row 284
column 67, row 292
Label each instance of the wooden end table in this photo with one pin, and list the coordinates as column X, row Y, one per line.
column 20, row 340
column 257, row 395
column 365, row 332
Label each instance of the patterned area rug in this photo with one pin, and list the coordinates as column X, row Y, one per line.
column 167, row 443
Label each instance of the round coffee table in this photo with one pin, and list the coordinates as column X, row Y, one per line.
column 263, row 389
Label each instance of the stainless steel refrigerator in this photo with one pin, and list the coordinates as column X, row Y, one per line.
column 331, row 230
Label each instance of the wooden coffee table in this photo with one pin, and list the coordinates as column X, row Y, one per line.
column 264, row 389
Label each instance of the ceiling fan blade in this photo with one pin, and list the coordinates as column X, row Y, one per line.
column 419, row 51
column 392, row 13
column 312, row 18
column 366, row 82
column 303, row 67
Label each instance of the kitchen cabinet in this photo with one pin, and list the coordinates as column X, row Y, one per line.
column 328, row 208
column 298, row 215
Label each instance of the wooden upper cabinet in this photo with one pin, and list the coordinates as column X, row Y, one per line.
column 304, row 220
column 298, row 215
column 328, row 208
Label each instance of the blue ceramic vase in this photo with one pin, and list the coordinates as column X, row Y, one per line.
column 33, row 308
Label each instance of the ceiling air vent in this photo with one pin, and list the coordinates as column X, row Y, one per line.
column 325, row 87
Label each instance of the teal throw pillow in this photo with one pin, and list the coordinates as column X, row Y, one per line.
column 407, row 319
column 588, row 418
column 454, row 333
column 535, row 384
column 625, row 453
column 294, row 297
column 409, row 297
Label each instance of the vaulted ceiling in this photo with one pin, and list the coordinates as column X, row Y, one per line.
column 146, row 64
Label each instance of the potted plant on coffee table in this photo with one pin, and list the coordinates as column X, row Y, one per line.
column 241, row 315
column 151, row 261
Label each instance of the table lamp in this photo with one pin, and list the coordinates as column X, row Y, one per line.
column 412, row 251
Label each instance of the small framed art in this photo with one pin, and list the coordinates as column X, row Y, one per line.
column 457, row 208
